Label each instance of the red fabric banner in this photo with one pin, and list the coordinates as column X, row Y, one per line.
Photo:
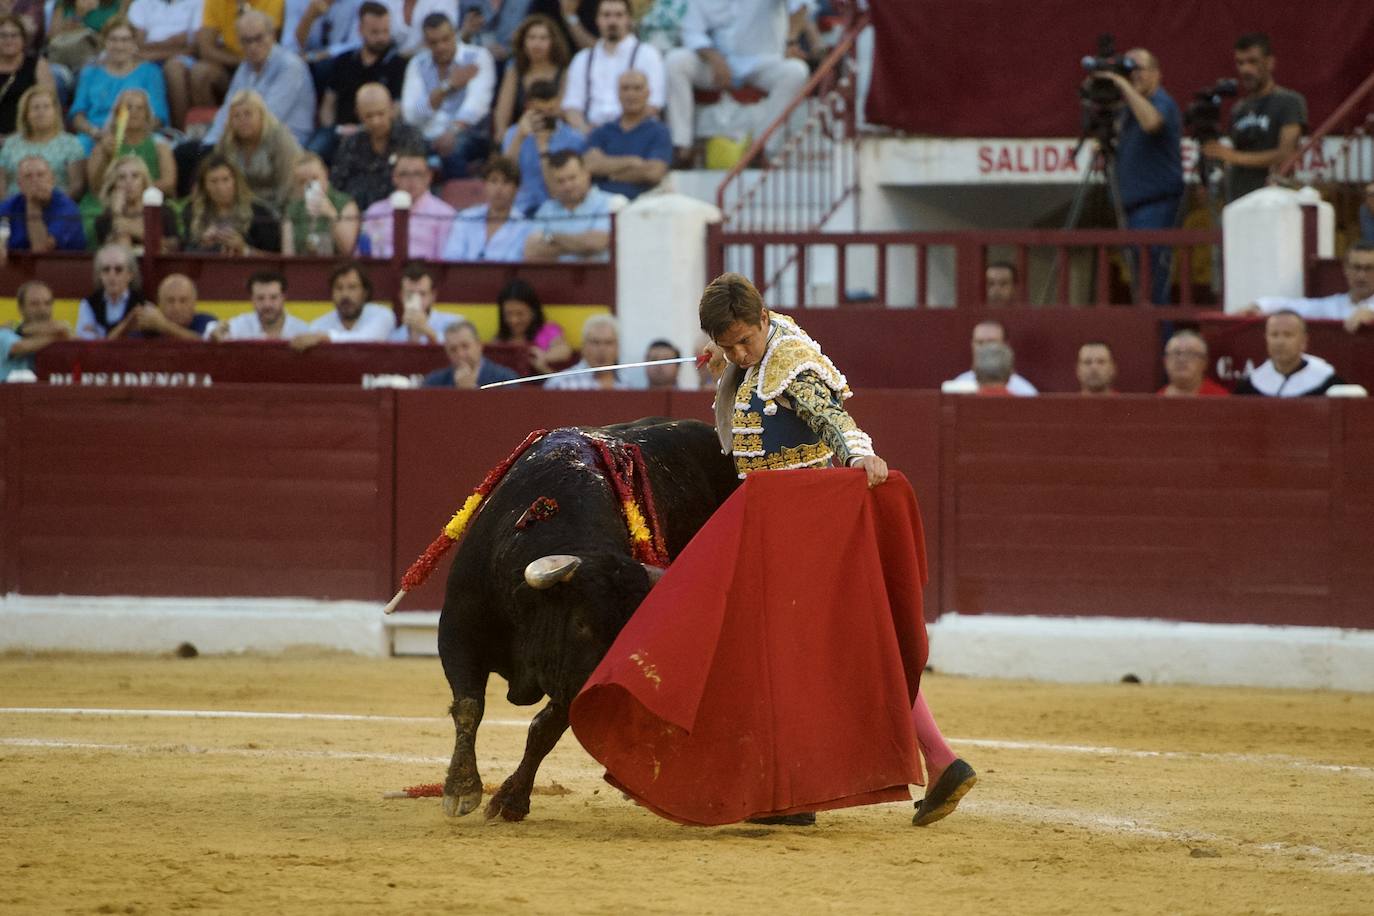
column 773, row 668
column 995, row 68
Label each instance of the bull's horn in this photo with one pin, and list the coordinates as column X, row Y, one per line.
column 655, row 572
column 547, row 572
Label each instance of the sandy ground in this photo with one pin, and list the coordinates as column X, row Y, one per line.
column 1101, row 799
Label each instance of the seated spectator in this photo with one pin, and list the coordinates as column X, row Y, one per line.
column 1185, row 363
column 100, row 84
column 35, row 330
column 30, row 15
column 1366, row 213
column 984, row 334
column 375, row 59
column 467, row 367
column 166, row 35
column 319, row 219
column 522, row 322
column 664, row 377
column 223, row 217
column 121, row 219
column 541, row 55
column 600, row 347
column 40, row 134
column 495, row 230
column 592, row 97
column 1290, row 371
column 354, row 319
column 1000, row 283
column 269, row 319
column 115, row 295
column 362, row 164
column 261, row 147
column 992, row 369
column 220, row 50
column 630, row 155
column 538, row 134
column 408, row 27
column 280, row 77
column 420, row 323
column 447, row 95
column 139, row 140
column 41, row 218
column 1096, row 369
column 318, row 31
column 1355, row 306
column 173, row 318
column 575, row 225
column 728, row 45
column 73, row 34
column 430, row 218
column 22, row 65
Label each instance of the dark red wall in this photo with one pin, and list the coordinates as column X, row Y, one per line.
column 1230, row 510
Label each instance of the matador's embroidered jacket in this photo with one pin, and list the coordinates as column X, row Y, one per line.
column 788, row 410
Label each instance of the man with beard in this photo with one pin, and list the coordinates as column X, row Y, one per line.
column 592, row 97
column 376, row 60
column 1096, row 369
column 354, row 319
column 269, row 319
column 1265, row 125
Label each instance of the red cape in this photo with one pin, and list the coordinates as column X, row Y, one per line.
column 773, row 668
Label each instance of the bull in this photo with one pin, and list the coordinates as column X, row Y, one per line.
column 540, row 602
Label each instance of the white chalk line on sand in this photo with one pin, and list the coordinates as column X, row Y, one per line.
column 1326, row 859
column 1284, row 760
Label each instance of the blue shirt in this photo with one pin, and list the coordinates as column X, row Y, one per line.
column 285, row 84
column 532, row 191
column 1149, row 167
column 649, row 139
column 467, row 240
column 97, row 90
column 61, row 216
column 487, row 373
column 592, row 215
column 8, row 364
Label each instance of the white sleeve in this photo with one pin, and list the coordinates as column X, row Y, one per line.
column 86, row 326
column 651, row 63
column 695, row 35
column 477, row 99
column 374, row 325
column 575, row 91
column 1335, row 307
column 414, row 99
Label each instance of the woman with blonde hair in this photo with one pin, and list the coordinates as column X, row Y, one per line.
column 122, row 218
column 139, row 140
column 40, row 134
column 541, row 53
column 318, row 219
column 223, row 217
column 261, row 146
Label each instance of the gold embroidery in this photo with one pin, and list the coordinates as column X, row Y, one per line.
column 792, row 456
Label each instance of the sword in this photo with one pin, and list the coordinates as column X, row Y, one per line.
column 699, row 360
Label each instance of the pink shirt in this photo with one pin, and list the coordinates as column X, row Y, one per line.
column 430, row 222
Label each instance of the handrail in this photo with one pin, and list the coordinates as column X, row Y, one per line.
column 1290, row 165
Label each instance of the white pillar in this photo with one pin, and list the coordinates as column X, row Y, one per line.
column 1262, row 247
column 660, row 256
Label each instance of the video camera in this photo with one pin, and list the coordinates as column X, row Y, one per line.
column 1203, row 116
column 1107, row 58
column 1100, row 97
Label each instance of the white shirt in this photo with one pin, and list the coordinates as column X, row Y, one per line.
column 410, row 37
column 748, row 33
column 469, row 104
column 605, row 76
column 1336, row 308
column 87, row 328
column 248, row 327
column 342, row 22
column 582, row 381
column 1015, row 385
column 162, row 20
column 374, row 325
column 438, row 322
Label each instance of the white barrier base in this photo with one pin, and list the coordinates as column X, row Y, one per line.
column 1105, row 649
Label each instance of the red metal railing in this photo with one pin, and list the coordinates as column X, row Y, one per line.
column 803, row 166
column 1347, row 158
column 908, row 268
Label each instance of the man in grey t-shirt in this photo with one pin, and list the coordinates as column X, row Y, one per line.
column 1265, row 125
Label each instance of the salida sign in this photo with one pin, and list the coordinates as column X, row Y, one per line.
column 995, row 159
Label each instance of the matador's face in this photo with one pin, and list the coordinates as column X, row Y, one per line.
column 744, row 344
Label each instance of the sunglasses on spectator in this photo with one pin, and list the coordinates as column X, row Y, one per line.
column 113, row 268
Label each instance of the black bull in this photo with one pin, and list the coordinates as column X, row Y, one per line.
column 547, row 641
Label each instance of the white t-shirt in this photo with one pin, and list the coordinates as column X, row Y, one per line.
column 1016, row 385
column 374, row 325
column 605, row 76
column 164, row 19
column 1334, row 308
column 248, row 327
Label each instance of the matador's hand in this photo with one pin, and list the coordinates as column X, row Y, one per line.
column 874, row 467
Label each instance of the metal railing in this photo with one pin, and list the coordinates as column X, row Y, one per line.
column 1346, row 158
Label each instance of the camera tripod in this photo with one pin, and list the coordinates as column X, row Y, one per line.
column 1105, row 164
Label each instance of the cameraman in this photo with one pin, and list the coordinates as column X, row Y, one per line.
column 1265, row 125
column 1149, row 166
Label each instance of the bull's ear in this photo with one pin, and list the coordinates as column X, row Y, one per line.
column 655, row 573
column 547, row 572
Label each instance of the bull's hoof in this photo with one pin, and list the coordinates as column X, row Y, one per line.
column 459, row 805
column 506, row 808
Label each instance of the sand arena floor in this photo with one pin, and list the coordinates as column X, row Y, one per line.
column 1102, row 799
